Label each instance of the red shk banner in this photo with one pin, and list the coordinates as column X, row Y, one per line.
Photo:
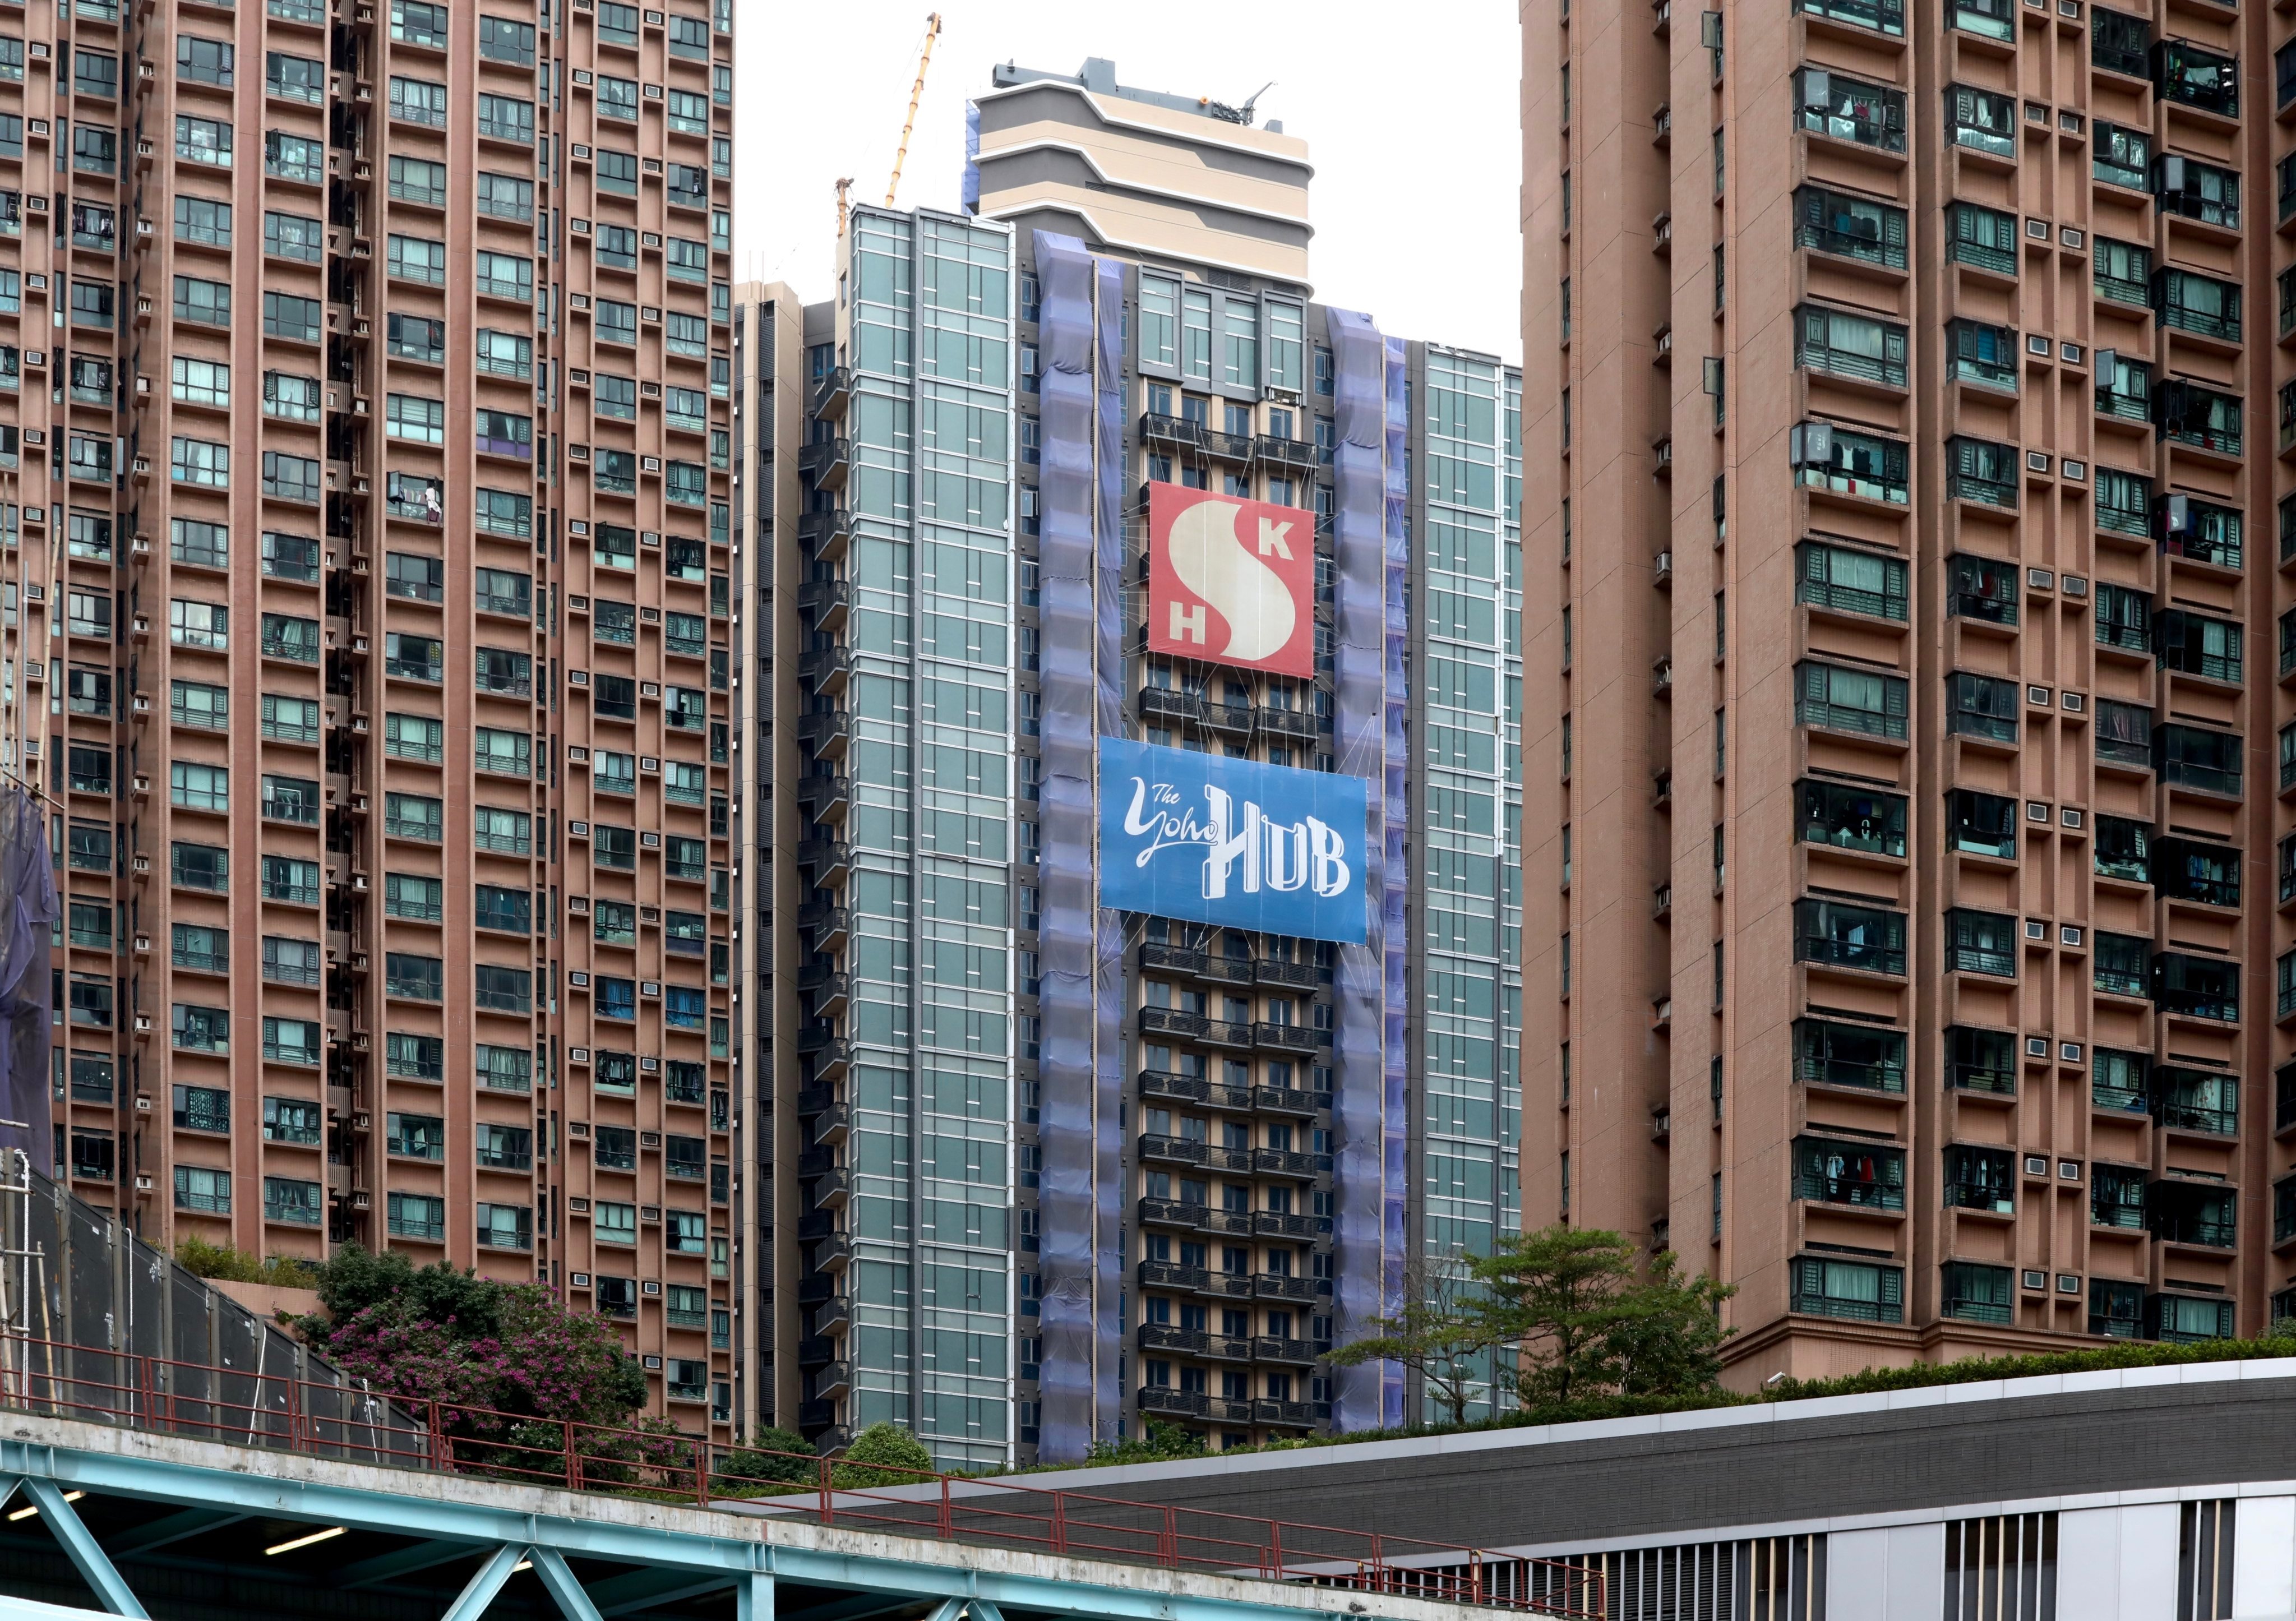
column 1232, row 581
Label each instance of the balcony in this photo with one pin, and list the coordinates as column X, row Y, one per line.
column 826, row 998
column 833, row 392
column 1291, row 725
column 824, row 800
column 1170, row 1086
column 1159, row 1149
column 1288, row 1415
column 1295, row 976
column 1162, row 433
column 1299, row 1039
column 1293, row 1101
column 1285, row 1352
column 827, row 462
column 1170, row 707
column 1164, row 1402
column 1169, row 1274
column 826, row 926
column 825, row 671
column 1274, row 1224
column 825, row 536
column 826, row 603
column 826, row 734
column 1232, row 718
column 1281, row 1286
column 1172, row 1022
column 1283, row 456
column 1164, row 1337
column 1171, row 1214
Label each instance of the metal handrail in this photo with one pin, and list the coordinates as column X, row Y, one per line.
column 317, row 1419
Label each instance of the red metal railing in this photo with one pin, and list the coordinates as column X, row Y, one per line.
column 249, row 1407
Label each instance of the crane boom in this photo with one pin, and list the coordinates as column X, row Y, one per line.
column 916, row 94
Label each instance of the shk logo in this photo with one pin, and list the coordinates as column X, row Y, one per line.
column 1231, row 580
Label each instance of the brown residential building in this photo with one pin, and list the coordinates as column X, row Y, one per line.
column 368, row 621
column 1899, row 509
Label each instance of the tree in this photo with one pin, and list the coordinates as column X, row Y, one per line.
column 1672, row 1344
column 443, row 1334
column 1448, row 1326
column 1560, row 1292
column 1162, row 1441
column 773, row 1455
column 883, row 1455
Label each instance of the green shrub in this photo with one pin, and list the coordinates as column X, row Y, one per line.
column 882, row 1455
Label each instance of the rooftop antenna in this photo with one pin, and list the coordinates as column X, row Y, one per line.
column 1234, row 115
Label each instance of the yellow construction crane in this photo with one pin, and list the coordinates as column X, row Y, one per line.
column 917, row 94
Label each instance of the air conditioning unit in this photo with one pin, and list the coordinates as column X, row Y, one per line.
column 649, row 1139
column 361, row 1198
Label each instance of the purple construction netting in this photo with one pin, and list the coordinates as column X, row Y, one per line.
column 1359, row 1093
column 1397, row 1125
column 969, row 192
column 1066, row 1206
column 1108, row 986
column 27, row 912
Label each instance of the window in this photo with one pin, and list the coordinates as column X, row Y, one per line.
column 288, row 962
column 1827, row 1288
column 505, row 39
column 197, row 703
column 414, row 418
column 503, row 990
column 1982, row 705
column 287, row 478
column 417, row 816
column 419, row 101
column 203, row 61
column 202, row 220
column 1841, row 699
column 415, row 23
column 199, row 867
column 291, row 557
column 294, row 78
column 412, row 658
column 1848, row 1055
column 285, row 636
column 286, row 157
column 286, row 878
column 501, row 753
column 285, row 316
column 417, row 258
column 201, row 462
column 202, row 1189
column 2123, row 155
column 1849, row 345
column 505, row 196
column 505, row 1227
column 408, row 894
column 1981, row 824
column 1980, row 943
column 202, row 1108
column 200, row 1030
column 1852, row 581
column 503, row 118
column 198, row 544
column 1863, row 937
column 417, row 1215
column 290, row 799
column 1844, row 108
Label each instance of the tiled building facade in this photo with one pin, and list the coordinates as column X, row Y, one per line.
column 1905, row 946
column 368, row 631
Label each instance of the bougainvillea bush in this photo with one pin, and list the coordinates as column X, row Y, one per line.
column 438, row 1333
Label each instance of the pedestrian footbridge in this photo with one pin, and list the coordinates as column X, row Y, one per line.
column 106, row 1518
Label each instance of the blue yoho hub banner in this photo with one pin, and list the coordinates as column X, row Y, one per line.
column 1232, row 843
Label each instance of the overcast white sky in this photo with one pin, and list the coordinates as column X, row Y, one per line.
column 1409, row 113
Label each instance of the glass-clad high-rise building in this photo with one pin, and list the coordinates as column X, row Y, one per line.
column 1042, row 1170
